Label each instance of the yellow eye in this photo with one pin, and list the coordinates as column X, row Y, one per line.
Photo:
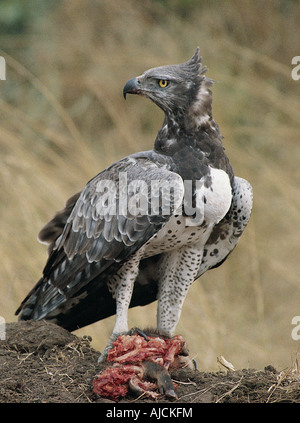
column 163, row 83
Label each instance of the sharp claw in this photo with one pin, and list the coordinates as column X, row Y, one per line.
column 102, row 358
column 139, row 332
column 171, row 394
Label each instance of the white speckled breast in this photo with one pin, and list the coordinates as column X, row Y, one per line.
column 212, row 203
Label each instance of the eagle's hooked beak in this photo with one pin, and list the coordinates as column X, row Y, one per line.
column 132, row 87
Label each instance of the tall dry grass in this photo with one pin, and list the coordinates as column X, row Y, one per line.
column 63, row 119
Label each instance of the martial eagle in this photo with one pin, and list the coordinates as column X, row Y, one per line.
column 105, row 257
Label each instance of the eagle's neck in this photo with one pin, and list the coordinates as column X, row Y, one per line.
column 192, row 139
column 191, row 152
column 191, row 124
column 193, row 118
column 176, row 135
column 198, row 115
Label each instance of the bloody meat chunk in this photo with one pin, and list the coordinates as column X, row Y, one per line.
column 140, row 362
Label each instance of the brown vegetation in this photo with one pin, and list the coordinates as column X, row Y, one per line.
column 43, row 363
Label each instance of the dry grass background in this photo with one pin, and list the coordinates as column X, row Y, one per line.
column 63, row 119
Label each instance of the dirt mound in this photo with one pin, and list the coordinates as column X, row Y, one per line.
column 41, row 362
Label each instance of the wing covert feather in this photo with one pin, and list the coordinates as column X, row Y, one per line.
column 97, row 232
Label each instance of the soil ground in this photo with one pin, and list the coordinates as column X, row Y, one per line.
column 43, row 363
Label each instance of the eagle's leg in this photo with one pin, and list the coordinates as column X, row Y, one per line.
column 122, row 286
column 180, row 268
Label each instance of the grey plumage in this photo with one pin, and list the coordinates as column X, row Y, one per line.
column 103, row 258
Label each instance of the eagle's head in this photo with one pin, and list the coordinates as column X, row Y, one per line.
column 179, row 90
